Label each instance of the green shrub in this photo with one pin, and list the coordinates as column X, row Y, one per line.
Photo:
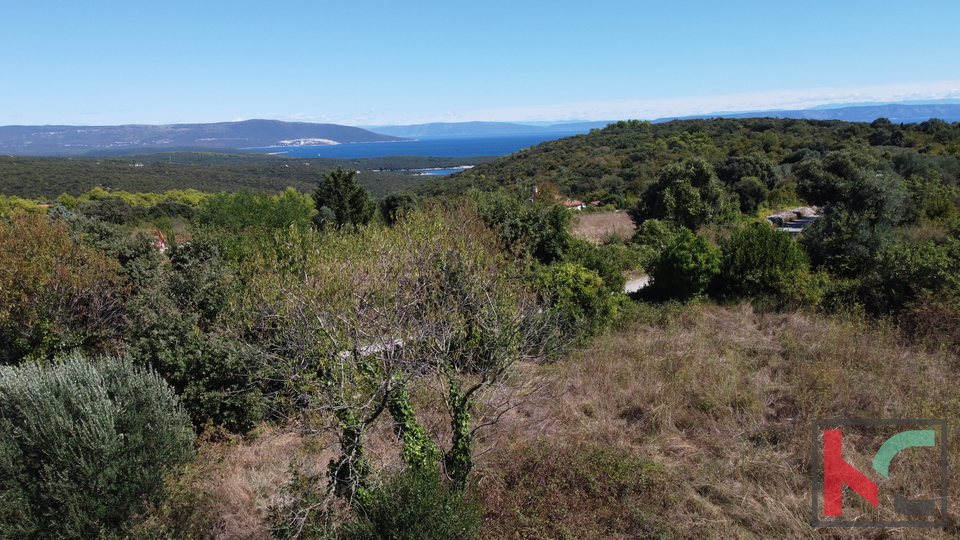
column 416, row 504
column 540, row 230
column 604, row 260
column 137, row 254
column 650, row 238
column 803, row 288
column 578, row 294
column 654, row 232
column 174, row 329
column 904, row 272
column 56, row 294
column 752, row 193
column 83, row 444
column 685, row 267
column 845, row 243
column 757, row 259
column 395, row 205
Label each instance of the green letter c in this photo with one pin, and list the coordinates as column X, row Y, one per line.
column 893, row 446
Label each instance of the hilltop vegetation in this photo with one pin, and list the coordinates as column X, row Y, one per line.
column 619, row 162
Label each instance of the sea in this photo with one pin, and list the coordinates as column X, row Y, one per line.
column 456, row 147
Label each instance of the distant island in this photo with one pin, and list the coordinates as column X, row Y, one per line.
column 138, row 138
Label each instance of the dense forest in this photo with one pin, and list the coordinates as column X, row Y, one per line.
column 223, row 348
column 620, row 161
column 47, row 178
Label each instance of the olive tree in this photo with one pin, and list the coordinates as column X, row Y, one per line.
column 347, row 325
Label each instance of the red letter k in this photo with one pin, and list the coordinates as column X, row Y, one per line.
column 837, row 472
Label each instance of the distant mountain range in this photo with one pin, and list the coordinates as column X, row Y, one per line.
column 895, row 112
column 75, row 140
column 237, row 136
column 468, row 129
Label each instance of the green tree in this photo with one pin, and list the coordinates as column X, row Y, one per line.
column 736, row 168
column 56, row 294
column 863, row 202
column 340, row 192
column 243, row 210
column 541, row 230
column 751, row 192
column 686, row 194
column 394, row 206
column 111, row 209
column 685, row 267
column 348, row 322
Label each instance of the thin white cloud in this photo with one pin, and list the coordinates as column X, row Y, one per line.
column 682, row 106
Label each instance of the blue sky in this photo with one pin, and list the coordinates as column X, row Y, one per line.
column 381, row 62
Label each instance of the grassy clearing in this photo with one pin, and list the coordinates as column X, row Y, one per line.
column 682, row 422
column 598, row 227
column 707, row 411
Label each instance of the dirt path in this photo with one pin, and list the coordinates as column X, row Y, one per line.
column 636, row 284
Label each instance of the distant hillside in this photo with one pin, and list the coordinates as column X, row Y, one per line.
column 621, row 161
column 896, row 113
column 76, row 140
column 466, row 129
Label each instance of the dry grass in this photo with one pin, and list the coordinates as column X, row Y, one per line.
column 714, row 406
column 686, row 422
column 227, row 492
column 598, row 227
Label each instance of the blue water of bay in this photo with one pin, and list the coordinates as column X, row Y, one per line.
column 488, row 145
column 440, row 172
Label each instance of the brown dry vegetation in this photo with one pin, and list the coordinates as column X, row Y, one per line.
column 712, row 406
column 683, row 422
column 598, row 227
